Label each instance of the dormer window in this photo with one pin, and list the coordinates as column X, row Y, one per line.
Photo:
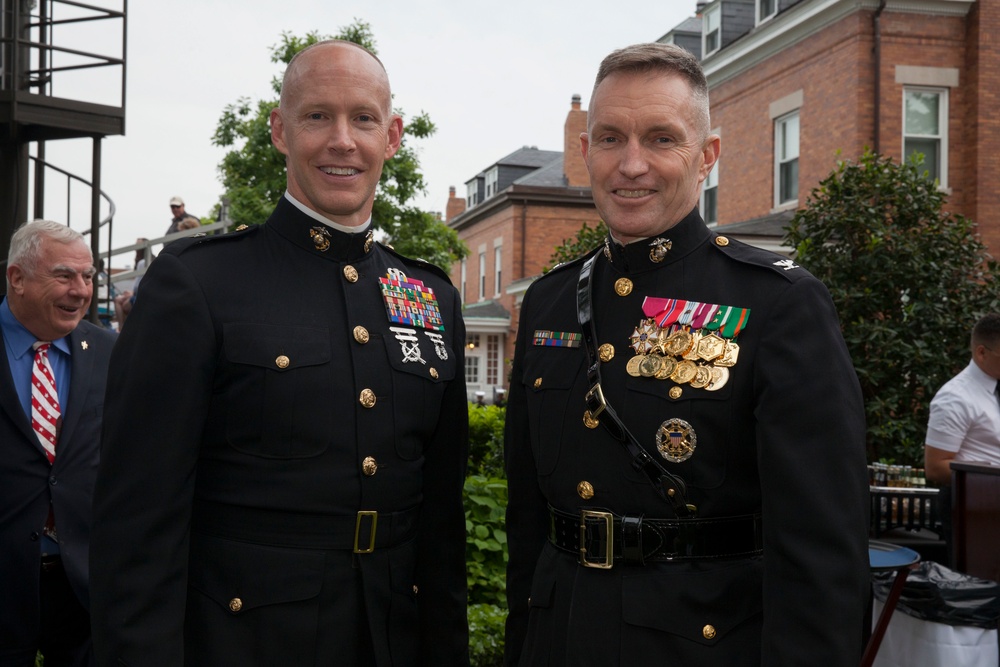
column 492, row 176
column 471, row 193
column 766, row 9
column 712, row 30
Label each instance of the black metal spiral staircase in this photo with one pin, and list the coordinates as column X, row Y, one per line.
column 48, row 73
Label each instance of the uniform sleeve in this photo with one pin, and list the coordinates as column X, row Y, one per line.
column 443, row 596
column 159, row 386
column 811, row 448
column 527, row 517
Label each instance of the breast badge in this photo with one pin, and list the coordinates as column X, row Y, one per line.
column 688, row 342
column 676, row 440
column 409, row 344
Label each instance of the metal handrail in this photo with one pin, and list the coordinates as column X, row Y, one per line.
column 111, row 204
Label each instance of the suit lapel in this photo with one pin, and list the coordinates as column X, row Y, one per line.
column 11, row 404
column 81, row 366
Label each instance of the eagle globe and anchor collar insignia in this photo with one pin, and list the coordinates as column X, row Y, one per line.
column 676, row 440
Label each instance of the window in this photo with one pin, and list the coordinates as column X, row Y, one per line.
column 925, row 122
column 482, row 276
column 497, row 264
column 711, row 30
column 786, row 159
column 471, row 369
column 710, row 197
column 491, row 181
column 492, row 359
column 465, row 271
column 766, row 9
column 472, row 193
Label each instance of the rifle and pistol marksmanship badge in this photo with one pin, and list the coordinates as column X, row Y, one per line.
column 689, row 342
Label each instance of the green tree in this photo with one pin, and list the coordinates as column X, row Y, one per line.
column 908, row 280
column 586, row 239
column 253, row 171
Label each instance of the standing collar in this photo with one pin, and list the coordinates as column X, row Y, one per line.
column 666, row 248
column 305, row 231
column 360, row 229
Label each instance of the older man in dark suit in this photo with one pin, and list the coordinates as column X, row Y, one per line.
column 53, row 369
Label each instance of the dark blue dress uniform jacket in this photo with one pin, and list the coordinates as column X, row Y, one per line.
column 784, row 437
column 259, row 401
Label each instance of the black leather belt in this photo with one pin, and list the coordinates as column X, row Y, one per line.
column 51, row 563
column 601, row 539
column 362, row 532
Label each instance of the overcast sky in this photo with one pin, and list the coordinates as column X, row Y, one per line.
column 492, row 76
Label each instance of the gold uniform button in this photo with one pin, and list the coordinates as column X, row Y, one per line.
column 585, row 490
column 606, row 352
column 623, row 287
column 416, row 590
column 675, row 392
column 722, row 242
column 538, row 383
column 351, row 274
column 361, row 334
column 708, row 632
column 235, row 605
column 369, row 466
column 434, row 373
column 282, row 362
column 367, row 398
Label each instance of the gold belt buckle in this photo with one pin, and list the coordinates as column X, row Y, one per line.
column 595, row 394
column 357, row 531
column 609, row 550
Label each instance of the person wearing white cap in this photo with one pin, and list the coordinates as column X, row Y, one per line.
column 177, row 208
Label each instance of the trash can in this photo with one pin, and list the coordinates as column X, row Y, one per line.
column 943, row 618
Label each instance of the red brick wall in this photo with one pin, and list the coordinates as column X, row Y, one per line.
column 834, row 70
column 524, row 253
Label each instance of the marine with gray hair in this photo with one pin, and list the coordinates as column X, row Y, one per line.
column 685, row 436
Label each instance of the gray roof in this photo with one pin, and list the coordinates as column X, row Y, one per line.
column 772, row 224
column 549, row 176
column 485, row 309
column 529, row 157
column 692, row 24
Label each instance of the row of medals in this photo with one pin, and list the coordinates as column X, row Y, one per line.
column 686, row 357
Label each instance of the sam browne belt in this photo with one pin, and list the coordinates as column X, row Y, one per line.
column 601, row 539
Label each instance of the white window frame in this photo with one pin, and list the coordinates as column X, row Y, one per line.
column 497, row 268
column 492, row 177
column 761, row 18
column 472, row 193
column 713, row 13
column 941, row 137
column 780, row 158
column 710, row 188
column 482, row 275
column 465, row 272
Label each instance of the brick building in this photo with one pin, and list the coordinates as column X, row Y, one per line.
column 796, row 85
column 514, row 213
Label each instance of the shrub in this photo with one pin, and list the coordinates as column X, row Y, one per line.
column 486, row 440
column 909, row 281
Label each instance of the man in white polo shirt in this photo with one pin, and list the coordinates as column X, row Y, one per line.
column 964, row 424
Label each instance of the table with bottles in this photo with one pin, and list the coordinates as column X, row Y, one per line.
column 901, row 498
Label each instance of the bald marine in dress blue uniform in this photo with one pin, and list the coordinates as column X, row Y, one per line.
column 282, row 470
column 685, row 432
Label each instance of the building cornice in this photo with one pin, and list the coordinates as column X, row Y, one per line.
column 800, row 22
column 522, row 194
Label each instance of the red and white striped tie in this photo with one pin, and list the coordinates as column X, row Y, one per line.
column 45, row 411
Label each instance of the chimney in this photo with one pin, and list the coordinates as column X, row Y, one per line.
column 574, row 168
column 456, row 205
